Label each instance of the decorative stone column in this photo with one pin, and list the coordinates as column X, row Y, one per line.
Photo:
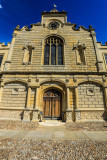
column 28, row 97
column 36, row 110
column 77, row 110
column 68, row 102
column 27, row 111
column 68, row 110
column 98, row 56
column 105, row 94
column 36, row 98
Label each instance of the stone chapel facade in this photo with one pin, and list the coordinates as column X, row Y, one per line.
column 55, row 70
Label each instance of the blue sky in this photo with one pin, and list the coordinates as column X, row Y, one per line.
column 26, row 12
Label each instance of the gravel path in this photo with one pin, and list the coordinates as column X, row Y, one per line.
column 13, row 149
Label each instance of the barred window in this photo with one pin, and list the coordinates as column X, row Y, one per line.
column 53, row 52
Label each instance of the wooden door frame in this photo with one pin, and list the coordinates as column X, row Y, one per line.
column 51, row 98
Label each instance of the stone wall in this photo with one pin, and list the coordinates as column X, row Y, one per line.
column 11, row 115
column 90, row 96
column 14, row 95
column 37, row 36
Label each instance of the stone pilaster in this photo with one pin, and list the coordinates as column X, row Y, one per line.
column 98, row 56
column 77, row 110
column 68, row 110
column 105, row 94
column 36, row 110
column 36, row 98
column 68, row 102
column 76, row 98
column 28, row 97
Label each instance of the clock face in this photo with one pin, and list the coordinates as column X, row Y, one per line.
column 53, row 25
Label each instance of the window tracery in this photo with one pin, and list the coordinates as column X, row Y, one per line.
column 53, row 52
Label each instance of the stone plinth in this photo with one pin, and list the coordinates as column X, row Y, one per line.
column 26, row 116
column 69, row 116
column 35, row 115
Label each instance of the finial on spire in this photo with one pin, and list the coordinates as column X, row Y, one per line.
column 55, row 5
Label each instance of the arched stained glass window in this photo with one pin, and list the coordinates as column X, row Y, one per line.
column 53, row 51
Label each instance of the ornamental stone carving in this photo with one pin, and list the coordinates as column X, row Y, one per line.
column 68, row 116
column 35, row 115
column 78, row 115
column 92, row 115
column 26, row 116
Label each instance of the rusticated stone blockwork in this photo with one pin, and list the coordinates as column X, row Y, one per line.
column 90, row 95
column 14, row 95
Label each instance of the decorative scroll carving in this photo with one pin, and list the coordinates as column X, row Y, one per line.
column 25, row 28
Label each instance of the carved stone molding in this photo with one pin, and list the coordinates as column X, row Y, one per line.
column 68, row 115
column 26, row 116
column 35, row 115
column 78, row 115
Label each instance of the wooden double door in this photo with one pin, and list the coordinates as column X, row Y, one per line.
column 52, row 104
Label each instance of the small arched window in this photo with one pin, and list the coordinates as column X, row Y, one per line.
column 53, row 52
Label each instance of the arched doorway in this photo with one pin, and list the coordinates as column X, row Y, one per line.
column 52, row 104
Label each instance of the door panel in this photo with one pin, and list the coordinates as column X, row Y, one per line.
column 52, row 104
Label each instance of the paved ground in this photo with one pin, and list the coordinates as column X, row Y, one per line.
column 54, row 132
column 53, row 142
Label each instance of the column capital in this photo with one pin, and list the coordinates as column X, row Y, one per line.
column 70, row 87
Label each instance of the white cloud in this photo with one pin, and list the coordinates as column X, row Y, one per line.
column 1, row 6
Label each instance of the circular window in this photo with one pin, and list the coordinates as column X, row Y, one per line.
column 53, row 25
